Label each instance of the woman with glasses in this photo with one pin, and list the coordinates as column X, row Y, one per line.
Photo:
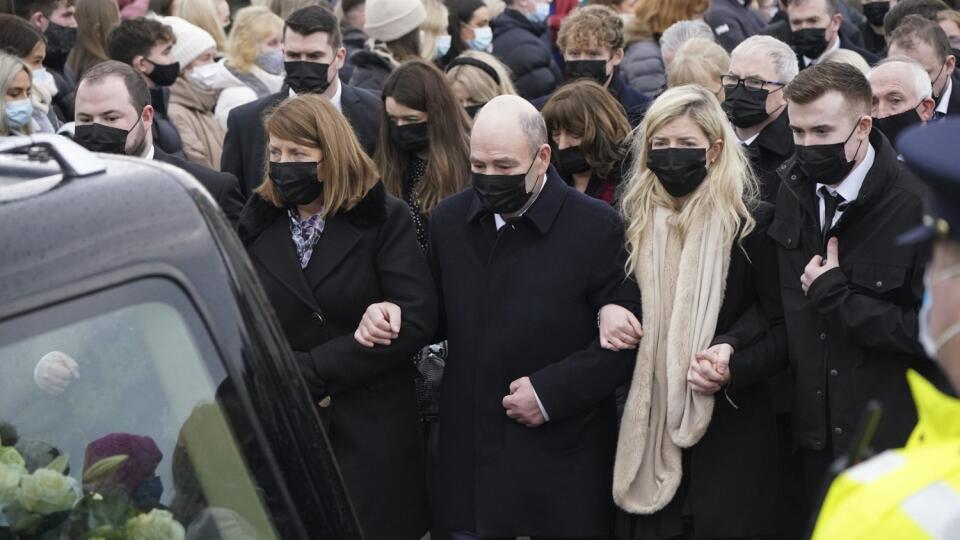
column 760, row 68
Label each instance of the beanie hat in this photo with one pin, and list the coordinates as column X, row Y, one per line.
column 388, row 20
column 192, row 41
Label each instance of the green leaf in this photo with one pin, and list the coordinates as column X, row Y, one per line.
column 59, row 464
column 103, row 468
column 28, row 523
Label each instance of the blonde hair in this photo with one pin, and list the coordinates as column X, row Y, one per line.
column 729, row 191
column 251, row 26
column 10, row 66
column 346, row 170
column 438, row 18
column 846, row 56
column 698, row 61
column 479, row 84
column 201, row 13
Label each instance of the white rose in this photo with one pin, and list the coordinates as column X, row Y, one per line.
column 46, row 491
column 157, row 525
column 10, row 476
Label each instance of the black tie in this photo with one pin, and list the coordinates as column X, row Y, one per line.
column 831, row 202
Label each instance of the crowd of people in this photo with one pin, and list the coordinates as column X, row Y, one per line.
column 569, row 269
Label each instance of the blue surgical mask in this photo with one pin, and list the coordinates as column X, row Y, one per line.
column 483, row 39
column 932, row 344
column 541, row 14
column 271, row 61
column 443, row 45
column 18, row 113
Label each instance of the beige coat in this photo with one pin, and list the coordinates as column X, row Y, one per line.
column 191, row 111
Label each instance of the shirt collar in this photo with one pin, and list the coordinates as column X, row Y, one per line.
column 749, row 140
column 148, row 153
column 849, row 189
column 945, row 98
column 544, row 209
column 830, row 49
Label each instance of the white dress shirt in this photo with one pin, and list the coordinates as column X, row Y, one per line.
column 849, row 189
column 945, row 98
column 337, row 99
column 748, row 141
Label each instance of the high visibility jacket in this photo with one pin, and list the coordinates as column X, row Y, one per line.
column 909, row 493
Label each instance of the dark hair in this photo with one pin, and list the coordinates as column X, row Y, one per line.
column 833, row 6
column 915, row 28
column 815, row 81
column 26, row 8
column 590, row 112
column 421, row 86
column 135, row 37
column 927, row 9
column 17, row 36
column 162, row 7
column 134, row 83
column 406, row 46
column 460, row 12
column 313, row 19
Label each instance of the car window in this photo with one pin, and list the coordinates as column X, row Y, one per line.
column 116, row 412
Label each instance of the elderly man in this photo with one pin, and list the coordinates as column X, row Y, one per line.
column 924, row 41
column 760, row 68
column 902, row 96
column 524, row 264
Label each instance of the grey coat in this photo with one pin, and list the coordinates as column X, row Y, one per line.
column 643, row 68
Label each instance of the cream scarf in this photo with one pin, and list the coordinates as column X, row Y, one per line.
column 682, row 281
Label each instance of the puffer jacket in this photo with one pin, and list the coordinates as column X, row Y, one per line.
column 525, row 48
column 643, row 67
column 371, row 66
column 191, row 111
column 236, row 89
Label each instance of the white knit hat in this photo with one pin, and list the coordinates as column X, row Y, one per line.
column 388, row 20
column 192, row 41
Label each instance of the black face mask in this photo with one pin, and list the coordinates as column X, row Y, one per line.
column 472, row 110
column 60, row 40
column 502, row 193
column 570, row 161
column 587, row 69
column 307, row 77
column 875, row 12
column 410, row 138
column 892, row 126
column 296, row 181
column 826, row 163
column 680, row 170
column 745, row 108
column 810, row 42
column 106, row 139
column 164, row 74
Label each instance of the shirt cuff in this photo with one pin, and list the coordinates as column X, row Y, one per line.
column 546, row 417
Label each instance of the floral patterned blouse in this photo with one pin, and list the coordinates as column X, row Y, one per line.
column 305, row 233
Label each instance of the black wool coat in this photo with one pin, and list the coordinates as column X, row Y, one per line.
column 245, row 145
column 772, row 147
column 222, row 186
column 730, row 478
column 854, row 334
column 366, row 396
column 523, row 301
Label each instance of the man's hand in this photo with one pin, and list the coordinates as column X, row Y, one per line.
column 55, row 371
column 619, row 328
column 521, row 404
column 380, row 325
column 818, row 266
column 710, row 369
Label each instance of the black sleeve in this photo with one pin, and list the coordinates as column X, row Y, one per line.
column 231, row 160
column 231, row 200
column 434, row 262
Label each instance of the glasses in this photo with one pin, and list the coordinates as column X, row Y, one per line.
column 751, row 84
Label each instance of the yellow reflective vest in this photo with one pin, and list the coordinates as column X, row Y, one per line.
column 909, row 493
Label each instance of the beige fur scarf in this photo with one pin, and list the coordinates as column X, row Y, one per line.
column 682, row 281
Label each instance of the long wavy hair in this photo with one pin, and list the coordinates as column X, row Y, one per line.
column 588, row 111
column 421, row 86
column 251, row 26
column 95, row 19
column 729, row 191
column 652, row 17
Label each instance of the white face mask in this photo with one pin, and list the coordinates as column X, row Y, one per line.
column 931, row 344
column 203, row 77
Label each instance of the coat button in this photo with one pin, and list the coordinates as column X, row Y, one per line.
column 793, row 177
column 834, row 373
column 325, row 402
column 838, row 431
column 789, row 241
column 316, row 317
column 823, row 336
column 879, row 284
column 819, row 394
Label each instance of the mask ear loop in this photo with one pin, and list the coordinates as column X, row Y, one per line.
column 860, row 145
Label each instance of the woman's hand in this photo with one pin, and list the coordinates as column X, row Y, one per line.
column 710, row 369
column 380, row 325
column 619, row 328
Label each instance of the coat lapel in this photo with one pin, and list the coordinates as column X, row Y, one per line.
column 275, row 249
column 338, row 239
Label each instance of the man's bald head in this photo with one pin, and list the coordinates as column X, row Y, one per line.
column 509, row 115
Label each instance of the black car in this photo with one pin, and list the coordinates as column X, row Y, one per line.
column 145, row 385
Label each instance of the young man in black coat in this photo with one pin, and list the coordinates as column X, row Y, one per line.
column 523, row 44
column 850, row 293
column 814, row 28
column 313, row 54
column 523, row 265
column 114, row 115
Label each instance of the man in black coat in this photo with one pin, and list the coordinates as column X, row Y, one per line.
column 924, row 41
column 313, row 53
column 732, row 21
column 114, row 115
column 760, row 68
column 523, row 264
column 850, row 293
column 591, row 42
column 524, row 46
column 814, row 28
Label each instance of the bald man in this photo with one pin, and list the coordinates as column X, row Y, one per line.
column 524, row 263
column 902, row 96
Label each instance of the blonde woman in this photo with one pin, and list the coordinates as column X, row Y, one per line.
column 435, row 39
column 208, row 15
column 253, row 66
column 15, row 89
column 477, row 77
column 702, row 62
column 696, row 455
